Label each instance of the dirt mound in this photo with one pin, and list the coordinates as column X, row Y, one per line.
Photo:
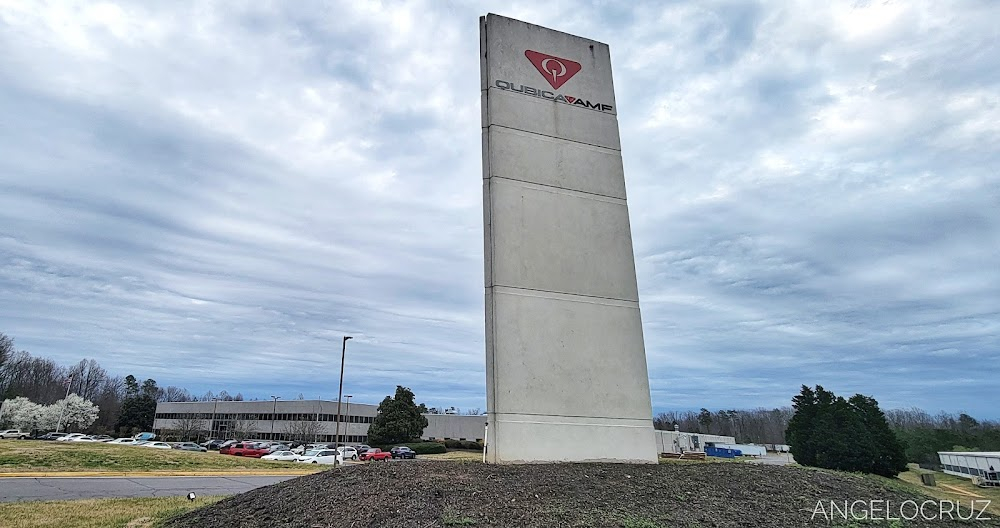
column 439, row 494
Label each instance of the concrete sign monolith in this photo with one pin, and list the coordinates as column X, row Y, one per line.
column 565, row 360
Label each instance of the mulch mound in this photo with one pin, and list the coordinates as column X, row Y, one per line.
column 426, row 494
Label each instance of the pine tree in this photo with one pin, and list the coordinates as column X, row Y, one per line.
column 850, row 435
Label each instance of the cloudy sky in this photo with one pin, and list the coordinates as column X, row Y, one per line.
column 212, row 194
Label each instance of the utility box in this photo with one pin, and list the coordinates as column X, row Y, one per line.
column 927, row 479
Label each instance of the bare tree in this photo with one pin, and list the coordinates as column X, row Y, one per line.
column 187, row 427
column 242, row 429
column 304, row 431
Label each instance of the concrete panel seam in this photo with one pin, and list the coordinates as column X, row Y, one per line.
column 499, row 413
column 582, row 424
column 565, row 296
column 557, row 139
column 551, row 136
column 562, row 190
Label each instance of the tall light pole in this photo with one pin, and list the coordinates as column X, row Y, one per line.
column 347, row 428
column 340, row 391
column 211, row 425
column 274, row 410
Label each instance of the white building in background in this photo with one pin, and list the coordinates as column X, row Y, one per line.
column 282, row 420
column 269, row 420
column 971, row 464
column 681, row 442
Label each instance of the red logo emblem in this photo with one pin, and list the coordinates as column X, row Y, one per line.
column 555, row 70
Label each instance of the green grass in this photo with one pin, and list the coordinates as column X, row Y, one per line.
column 912, row 478
column 146, row 512
column 18, row 456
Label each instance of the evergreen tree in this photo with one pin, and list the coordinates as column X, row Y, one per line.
column 850, row 435
column 398, row 420
column 139, row 406
column 889, row 453
column 800, row 427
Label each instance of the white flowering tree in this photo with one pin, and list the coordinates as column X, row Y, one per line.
column 77, row 413
column 23, row 414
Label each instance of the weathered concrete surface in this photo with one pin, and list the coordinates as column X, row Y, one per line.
column 566, row 363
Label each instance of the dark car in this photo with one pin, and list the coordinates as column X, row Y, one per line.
column 403, row 452
column 213, row 445
column 362, row 448
column 51, row 436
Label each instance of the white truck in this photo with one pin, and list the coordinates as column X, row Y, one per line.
column 14, row 433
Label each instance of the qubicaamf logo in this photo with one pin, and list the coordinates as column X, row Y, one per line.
column 556, row 70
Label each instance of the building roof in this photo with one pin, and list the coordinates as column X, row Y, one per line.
column 991, row 454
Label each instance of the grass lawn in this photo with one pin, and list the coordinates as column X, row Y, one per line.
column 33, row 455
column 912, row 477
column 144, row 512
column 461, row 455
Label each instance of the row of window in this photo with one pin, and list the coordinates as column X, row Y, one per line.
column 965, row 470
column 221, row 433
column 264, row 417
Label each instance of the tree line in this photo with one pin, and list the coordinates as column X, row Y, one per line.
column 124, row 404
column 921, row 434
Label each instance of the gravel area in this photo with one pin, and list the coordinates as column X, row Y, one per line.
column 426, row 494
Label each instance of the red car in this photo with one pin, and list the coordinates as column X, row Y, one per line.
column 375, row 454
column 245, row 449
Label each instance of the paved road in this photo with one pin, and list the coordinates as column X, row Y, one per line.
column 30, row 489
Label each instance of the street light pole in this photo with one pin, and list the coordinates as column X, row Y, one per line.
column 340, row 391
column 347, row 428
column 211, row 425
column 274, row 410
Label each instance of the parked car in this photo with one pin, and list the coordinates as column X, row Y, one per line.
column 307, row 447
column 321, row 456
column 284, row 456
column 51, row 436
column 84, row 438
column 189, row 446
column 14, row 433
column 245, row 449
column 156, row 445
column 226, row 444
column 348, row 452
column 122, row 441
column 403, row 452
column 375, row 453
column 361, row 448
column 278, row 447
column 69, row 437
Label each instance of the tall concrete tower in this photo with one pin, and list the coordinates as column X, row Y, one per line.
column 565, row 360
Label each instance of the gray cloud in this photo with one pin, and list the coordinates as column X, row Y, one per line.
column 212, row 195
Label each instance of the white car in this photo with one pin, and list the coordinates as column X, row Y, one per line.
column 70, row 437
column 83, row 439
column 307, row 447
column 284, row 456
column 156, row 445
column 348, row 452
column 321, row 456
column 122, row 441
